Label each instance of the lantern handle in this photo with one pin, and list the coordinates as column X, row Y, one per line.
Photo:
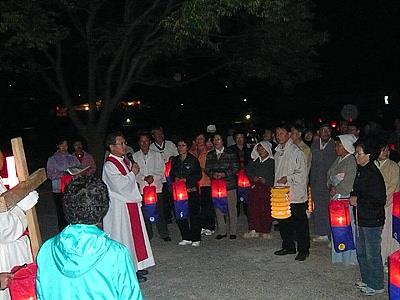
column 19, row 268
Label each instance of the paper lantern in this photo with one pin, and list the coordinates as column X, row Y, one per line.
column 394, row 276
column 280, row 202
column 310, row 201
column 12, row 179
column 23, row 284
column 243, row 186
column 396, row 216
column 167, row 171
column 150, row 203
column 219, row 195
column 65, row 180
column 181, row 197
column 342, row 233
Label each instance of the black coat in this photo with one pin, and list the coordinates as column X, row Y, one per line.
column 369, row 187
column 188, row 169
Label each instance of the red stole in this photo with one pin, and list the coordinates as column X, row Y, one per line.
column 134, row 216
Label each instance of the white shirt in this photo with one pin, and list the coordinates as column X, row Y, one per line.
column 290, row 162
column 150, row 164
column 167, row 149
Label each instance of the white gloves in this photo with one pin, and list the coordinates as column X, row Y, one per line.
column 29, row 201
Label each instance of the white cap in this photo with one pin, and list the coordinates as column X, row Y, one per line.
column 211, row 128
column 348, row 141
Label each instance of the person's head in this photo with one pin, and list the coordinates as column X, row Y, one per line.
column 218, row 141
column 343, row 127
column 345, row 144
column 308, row 135
column 85, row 200
column 282, row 134
column 115, row 142
column 62, row 144
column 352, row 128
column 144, row 142
column 240, row 138
column 385, row 152
column 78, row 146
column 209, row 143
column 367, row 150
column 262, row 151
column 183, row 146
column 325, row 132
column 267, row 135
column 200, row 140
column 158, row 135
column 296, row 132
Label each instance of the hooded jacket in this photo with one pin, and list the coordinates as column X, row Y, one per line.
column 82, row 262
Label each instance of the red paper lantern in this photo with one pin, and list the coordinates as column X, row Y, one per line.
column 394, row 275
column 167, row 168
column 150, row 195
column 396, row 205
column 218, row 188
column 65, row 180
column 339, row 214
column 23, row 284
column 243, row 180
column 179, row 191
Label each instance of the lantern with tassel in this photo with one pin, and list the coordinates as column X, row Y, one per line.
column 219, row 195
column 310, row 202
column 168, row 178
column 280, row 202
column 150, row 203
column 396, row 216
column 181, row 197
column 394, row 276
column 342, row 233
column 243, row 186
column 23, row 284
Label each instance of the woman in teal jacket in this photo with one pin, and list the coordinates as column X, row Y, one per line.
column 82, row 262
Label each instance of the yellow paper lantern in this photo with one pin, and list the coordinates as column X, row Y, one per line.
column 311, row 204
column 280, row 203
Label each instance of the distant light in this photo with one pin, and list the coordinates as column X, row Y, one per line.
column 226, row 86
column 86, row 107
column 386, row 100
column 138, row 102
column 128, row 120
column 248, row 117
column 333, row 124
column 181, row 104
column 10, row 84
column 244, row 100
column 319, row 120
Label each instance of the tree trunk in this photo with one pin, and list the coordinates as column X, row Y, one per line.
column 95, row 144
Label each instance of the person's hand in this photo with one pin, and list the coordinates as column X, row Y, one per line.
column 135, row 168
column 332, row 191
column 262, row 179
column 256, row 178
column 217, row 175
column 149, row 179
column 5, row 279
column 282, row 180
column 353, row 200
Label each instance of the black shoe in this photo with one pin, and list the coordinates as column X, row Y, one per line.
column 142, row 272
column 276, row 227
column 302, row 256
column 232, row 237
column 141, row 278
column 169, row 221
column 284, row 252
column 167, row 239
column 220, row 236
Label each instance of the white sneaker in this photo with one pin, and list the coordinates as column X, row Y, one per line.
column 184, row 243
column 267, row 236
column 360, row 284
column 371, row 292
column 208, row 232
column 321, row 238
column 203, row 231
column 196, row 244
column 251, row 234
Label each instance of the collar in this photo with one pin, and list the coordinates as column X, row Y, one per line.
column 220, row 151
column 343, row 158
column 380, row 164
column 321, row 146
column 160, row 147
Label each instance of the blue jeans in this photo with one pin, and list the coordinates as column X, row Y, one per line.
column 369, row 256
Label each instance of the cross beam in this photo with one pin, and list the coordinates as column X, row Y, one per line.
column 27, row 184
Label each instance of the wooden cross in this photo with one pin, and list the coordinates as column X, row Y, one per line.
column 27, row 184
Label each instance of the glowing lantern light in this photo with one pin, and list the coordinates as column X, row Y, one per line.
column 243, row 186
column 394, row 276
column 280, row 202
column 333, row 124
column 396, row 216
column 342, row 233
column 181, row 197
column 12, row 179
column 150, row 203
column 23, row 284
column 219, row 195
column 310, row 201
column 168, row 166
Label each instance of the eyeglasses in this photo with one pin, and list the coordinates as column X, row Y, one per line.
column 358, row 154
column 120, row 144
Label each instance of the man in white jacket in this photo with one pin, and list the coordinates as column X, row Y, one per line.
column 291, row 170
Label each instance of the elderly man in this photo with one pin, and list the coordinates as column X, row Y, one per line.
column 323, row 156
column 291, row 170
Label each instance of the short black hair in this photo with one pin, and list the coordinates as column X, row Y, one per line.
column 111, row 138
column 60, row 140
column 86, row 200
column 143, row 133
column 221, row 135
column 371, row 146
column 285, row 126
column 299, row 128
column 185, row 140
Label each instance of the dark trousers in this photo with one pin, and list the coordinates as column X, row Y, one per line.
column 168, row 202
column 191, row 228
column 207, row 212
column 62, row 222
column 161, row 224
column 245, row 208
column 296, row 227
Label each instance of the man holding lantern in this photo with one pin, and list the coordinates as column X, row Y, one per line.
column 291, row 170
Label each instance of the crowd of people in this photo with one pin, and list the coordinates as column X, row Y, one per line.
column 344, row 163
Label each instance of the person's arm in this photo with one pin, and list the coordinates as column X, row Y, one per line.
column 346, row 185
column 392, row 184
column 195, row 175
column 376, row 190
column 233, row 165
column 1, row 160
column 91, row 163
column 5, row 279
column 13, row 224
column 53, row 172
column 159, row 168
column 297, row 169
column 209, row 165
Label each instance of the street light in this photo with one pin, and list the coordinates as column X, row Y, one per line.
column 248, row 117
